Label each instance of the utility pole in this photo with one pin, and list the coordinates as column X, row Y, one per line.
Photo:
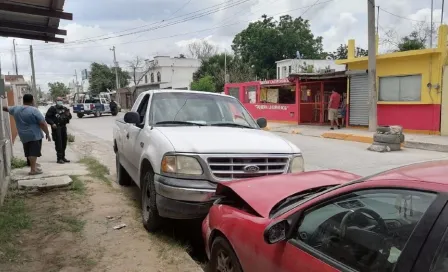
column 225, row 67
column 33, row 79
column 441, row 15
column 15, row 56
column 76, row 83
column 372, row 65
column 377, row 19
column 432, row 23
column 117, row 96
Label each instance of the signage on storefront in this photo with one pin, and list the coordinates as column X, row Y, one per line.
column 276, row 81
column 271, row 107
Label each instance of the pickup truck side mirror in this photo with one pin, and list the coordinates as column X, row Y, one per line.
column 262, row 122
column 132, row 118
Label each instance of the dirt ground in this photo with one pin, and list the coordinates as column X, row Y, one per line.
column 72, row 230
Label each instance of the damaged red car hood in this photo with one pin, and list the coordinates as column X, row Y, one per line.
column 263, row 193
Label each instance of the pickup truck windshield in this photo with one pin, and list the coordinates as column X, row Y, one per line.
column 206, row 109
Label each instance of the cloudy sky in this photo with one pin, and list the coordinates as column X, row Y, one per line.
column 147, row 28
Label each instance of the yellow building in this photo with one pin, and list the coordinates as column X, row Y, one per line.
column 409, row 87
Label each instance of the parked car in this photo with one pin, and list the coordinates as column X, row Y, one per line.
column 318, row 222
column 178, row 145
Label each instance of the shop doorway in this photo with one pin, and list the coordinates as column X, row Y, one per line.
column 315, row 96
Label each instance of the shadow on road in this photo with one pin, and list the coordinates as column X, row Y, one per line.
column 185, row 232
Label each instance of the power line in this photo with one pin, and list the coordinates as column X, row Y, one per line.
column 192, row 15
column 315, row 4
column 179, row 9
column 185, row 33
column 402, row 17
column 169, row 18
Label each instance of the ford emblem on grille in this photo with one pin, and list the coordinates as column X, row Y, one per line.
column 251, row 168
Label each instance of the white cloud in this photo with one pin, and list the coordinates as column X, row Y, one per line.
column 336, row 21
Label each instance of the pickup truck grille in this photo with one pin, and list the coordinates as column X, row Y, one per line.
column 229, row 168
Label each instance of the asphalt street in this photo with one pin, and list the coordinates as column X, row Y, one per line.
column 319, row 153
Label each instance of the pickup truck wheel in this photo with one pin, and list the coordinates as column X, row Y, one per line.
column 123, row 178
column 80, row 115
column 97, row 114
column 151, row 218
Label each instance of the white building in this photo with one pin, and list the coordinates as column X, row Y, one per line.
column 169, row 73
column 290, row 66
column 18, row 85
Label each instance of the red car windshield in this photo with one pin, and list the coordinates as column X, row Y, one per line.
column 293, row 199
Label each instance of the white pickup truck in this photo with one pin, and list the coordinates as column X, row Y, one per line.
column 177, row 145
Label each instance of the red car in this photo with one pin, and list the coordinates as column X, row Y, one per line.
column 327, row 221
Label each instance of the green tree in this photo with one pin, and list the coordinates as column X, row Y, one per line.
column 342, row 52
column 413, row 41
column 102, row 78
column 266, row 41
column 237, row 70
column 58, row 89
column 204, row 84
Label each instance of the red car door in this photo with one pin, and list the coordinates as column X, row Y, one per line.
column 363, row 229
column 434, row 255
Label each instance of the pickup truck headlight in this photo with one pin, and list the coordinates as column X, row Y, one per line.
column 297, row 165
column 183, row 165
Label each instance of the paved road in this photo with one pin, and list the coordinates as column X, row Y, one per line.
column 319, row 153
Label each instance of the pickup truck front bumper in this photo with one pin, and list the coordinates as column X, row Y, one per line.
column 183, row 199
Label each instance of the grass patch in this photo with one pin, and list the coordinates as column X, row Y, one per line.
column 18, row 163
column 167, row 245
column 78, row 185
column 96, row 169
column 14, row 217
column 68, row 223
column 70, row 138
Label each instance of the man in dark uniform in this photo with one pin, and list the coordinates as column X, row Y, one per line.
column 113, row 107
column 58, row 117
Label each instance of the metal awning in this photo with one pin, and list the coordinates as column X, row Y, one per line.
column 33, row 19
column 319, row 76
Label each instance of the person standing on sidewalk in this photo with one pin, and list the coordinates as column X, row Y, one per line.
column 30, row 122
column 58, row 117
column 333, row 106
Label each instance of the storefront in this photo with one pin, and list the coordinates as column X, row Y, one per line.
column 299, row 99
column 408, row 86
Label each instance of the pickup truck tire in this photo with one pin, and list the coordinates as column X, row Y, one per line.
column 123, row 178
column 80, row 115
column 150, row 216
column 97, row 114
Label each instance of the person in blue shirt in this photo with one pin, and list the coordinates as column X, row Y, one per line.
column 30, row 122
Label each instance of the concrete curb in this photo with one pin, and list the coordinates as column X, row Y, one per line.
column 369, row 140
column 426, row 146
column 348, row 137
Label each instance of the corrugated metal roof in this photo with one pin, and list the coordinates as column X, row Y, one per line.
column 33, row 19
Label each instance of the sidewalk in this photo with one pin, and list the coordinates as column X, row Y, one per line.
column 54, row 175
column 416, row 141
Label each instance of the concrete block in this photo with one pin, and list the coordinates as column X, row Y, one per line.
column 47, row 183
column 51, row 170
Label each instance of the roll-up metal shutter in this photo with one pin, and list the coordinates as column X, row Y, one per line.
column 359, row 100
